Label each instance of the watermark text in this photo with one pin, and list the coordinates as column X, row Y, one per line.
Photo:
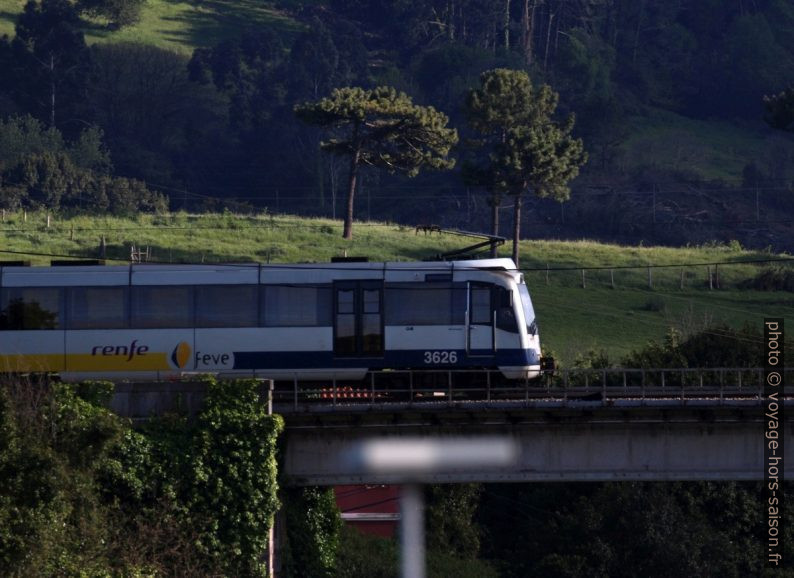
column 773, row 439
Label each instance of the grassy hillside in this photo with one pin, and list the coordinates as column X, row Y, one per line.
column 180, row 26
column 707, row 149
column 573, row 319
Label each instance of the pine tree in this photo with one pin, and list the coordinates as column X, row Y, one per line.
column 526, row 148
column 381, row 128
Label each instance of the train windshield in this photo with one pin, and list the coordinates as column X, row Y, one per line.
column 529, row 312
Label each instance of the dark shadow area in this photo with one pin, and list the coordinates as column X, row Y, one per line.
column 97, row 28
column 215, row 20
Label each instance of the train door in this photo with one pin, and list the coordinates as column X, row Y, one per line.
column 358, row 319
column 480, row 330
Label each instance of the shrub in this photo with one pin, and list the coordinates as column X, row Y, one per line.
column 313, row 526
column 771, row 279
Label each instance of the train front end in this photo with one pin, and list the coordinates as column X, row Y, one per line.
column 514, row 343
column 533, row 364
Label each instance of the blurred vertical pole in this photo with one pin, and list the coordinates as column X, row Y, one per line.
column 413, row 458
column 412, row 532
column 271, row 532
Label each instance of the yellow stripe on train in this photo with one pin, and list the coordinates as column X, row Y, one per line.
column 32, row 362
column 88, row 362
column 82, row 362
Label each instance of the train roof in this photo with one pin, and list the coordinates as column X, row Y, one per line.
column 499, row 263
column 233, row 273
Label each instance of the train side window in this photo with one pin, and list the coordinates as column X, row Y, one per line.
column 345, row 325
column 481, row 305
column 30, row 308
column 226, row 305
column 425, row 304
column 529, row 311
column 97, row 307
column 162, row 306
column 458, row 305
column 295, row 306
column 371, row 332
column 505, row 314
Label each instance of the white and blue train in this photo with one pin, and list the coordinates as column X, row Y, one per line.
column 306, row 322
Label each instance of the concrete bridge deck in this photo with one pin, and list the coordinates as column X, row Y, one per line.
column 609, row 427
column 574, row 442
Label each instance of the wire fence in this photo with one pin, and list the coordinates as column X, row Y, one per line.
column 764, row 274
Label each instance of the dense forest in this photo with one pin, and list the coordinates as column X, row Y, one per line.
column 668, row 99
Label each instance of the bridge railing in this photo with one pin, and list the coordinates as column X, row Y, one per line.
column 659, row 378
column 684, row 383
column 457, row 387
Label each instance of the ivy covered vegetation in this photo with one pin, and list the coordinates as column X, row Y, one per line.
column 84, row 493
column 313, row 530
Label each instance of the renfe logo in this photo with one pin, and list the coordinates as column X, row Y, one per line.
column 130, row 351
column 181, row 355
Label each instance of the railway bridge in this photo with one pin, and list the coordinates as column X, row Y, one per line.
column 582, row 425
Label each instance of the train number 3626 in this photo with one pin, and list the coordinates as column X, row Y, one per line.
column 441, row 357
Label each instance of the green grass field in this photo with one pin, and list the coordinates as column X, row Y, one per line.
column 9, row 10
column 180, row 26
column 709, row 149
column 572, row 319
